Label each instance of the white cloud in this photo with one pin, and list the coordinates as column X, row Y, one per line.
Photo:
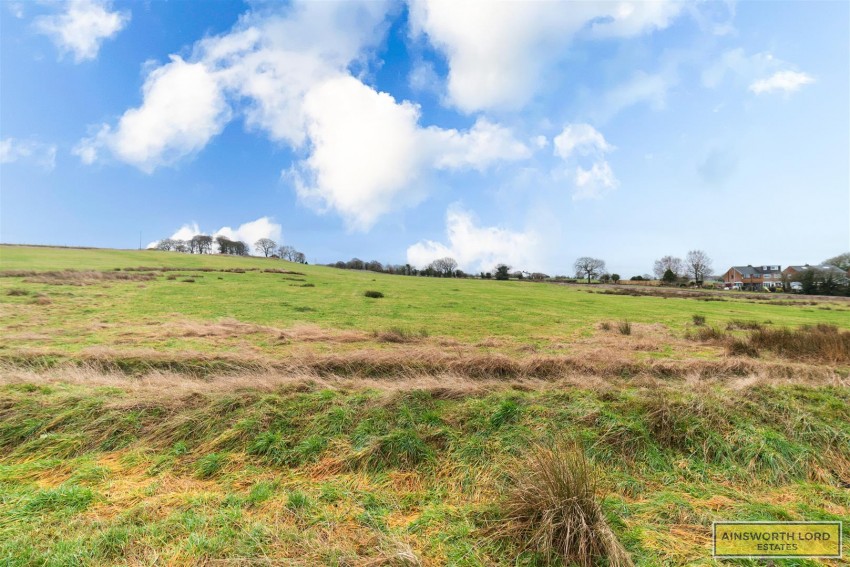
column 369, row 154
column 82, row 27
column 478, row 148
column 288, row 74
column 248, row 232
column 28, row 151
column 582, row 143
column 581, row 138
column 183, row 109
column 595, row 182
column 785, row 81
column 762, row 72
column 498, row 52
column 478, row 248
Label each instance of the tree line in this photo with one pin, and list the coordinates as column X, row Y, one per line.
column 206, row 244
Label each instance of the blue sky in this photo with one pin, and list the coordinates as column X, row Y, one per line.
column 527, row 133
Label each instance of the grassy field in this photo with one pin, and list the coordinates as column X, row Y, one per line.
column 270, row 413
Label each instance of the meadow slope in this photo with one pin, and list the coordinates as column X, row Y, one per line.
column 160, row 408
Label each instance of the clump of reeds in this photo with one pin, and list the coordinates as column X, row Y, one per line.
column 552, row 508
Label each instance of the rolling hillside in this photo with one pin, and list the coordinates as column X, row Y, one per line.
column 159, row 408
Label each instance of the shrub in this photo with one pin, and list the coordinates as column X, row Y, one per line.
column 699, row 320
column 374, row 294
column 552, row 508
column 625, row 328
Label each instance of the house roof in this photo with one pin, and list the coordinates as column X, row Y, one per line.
column 821, row 268
column 753, row 271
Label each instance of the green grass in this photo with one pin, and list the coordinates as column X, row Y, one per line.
column 415, row 470
column 125, row 315
column 230, row 423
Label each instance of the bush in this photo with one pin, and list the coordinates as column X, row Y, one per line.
column 374, row 294
column 552, row 509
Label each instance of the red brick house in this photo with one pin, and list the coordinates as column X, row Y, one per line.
column 752, row 278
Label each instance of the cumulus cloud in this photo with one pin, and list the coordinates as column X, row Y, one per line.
column 369, row 153
column 498, row 52
column 184, row 108
column 82, row 27
column 28, row 151
column 581, row 138
column 584, row 145
column 784, row 81
column 249, row 232
column 288, row 74
column 477, row 248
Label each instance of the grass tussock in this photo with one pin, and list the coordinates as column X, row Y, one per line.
column 400, row 335
column 699, row 320
column 552, row 509
column 625, row 327
column 16, row 292
column 373, row 294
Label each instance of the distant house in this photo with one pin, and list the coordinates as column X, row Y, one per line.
column 753, row 278
column 791, row 271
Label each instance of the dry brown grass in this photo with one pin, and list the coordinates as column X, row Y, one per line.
column 77, row 277
column 821, row 343
column 552, row 508
column 398, row 362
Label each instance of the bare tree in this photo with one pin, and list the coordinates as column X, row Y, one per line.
column 446, row 266
column 240, row 248
column 265, row 246
column 589, row 267
column 166, row 244
column 299, row 258
column 698, row 265
column 671, row 263
column 204, row 243
column 286, row 252
column 181, row 246
column 200, row 244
